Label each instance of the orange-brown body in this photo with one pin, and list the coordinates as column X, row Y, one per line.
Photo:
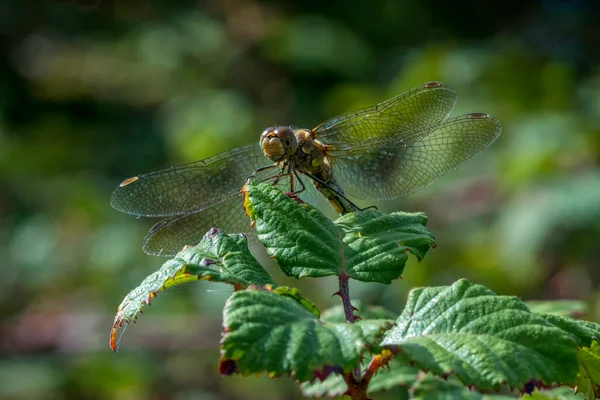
column 299, row 150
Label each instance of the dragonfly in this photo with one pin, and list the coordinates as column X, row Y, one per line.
column 382, row 152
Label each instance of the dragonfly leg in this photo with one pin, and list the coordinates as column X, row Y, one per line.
column 275, row 178
column 292, row 173
column 266, row 167
column 323, row 183
column 282, row 174
column 299, row 180
column 368, row 208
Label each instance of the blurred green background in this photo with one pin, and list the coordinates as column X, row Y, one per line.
column 95, row 91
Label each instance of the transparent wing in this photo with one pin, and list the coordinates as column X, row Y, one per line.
column 386, row 168
column 406, row 117
column 190, row 187
column 170, row 235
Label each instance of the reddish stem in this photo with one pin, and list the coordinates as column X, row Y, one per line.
column 357, row 390
column 357, row 386
column 344, row 294
column 377, row 362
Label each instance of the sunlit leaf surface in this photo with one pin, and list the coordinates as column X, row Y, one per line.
column 265, row 332
column 483, row 339
column 367, row 245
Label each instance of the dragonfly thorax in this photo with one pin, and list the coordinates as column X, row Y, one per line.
column 311, row 154
column 278, row 143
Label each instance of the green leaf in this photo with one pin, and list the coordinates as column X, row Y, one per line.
column 366, row 312
column 582, row 332
column 397, row 373
column 585, row 384
column 586, row 334
column 367, row 246
column 295, row 295
column 434, row 388
column 217, row 258
column 559, row 393
column 589, row 371
column 303, row 241
column 231, row 255
column 483, row 339
column 266, row 332
column 397, row 232
column 566, row 308
column 332, row 386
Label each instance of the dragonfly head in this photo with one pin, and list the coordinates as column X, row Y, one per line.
column 278, row 143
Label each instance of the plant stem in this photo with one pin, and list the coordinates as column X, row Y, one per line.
column 356, row 381
column 358, row 386
column 356, row 389
column 376, row 363
column 344, row 293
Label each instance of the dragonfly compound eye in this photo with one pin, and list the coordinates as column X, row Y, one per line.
column 278, row 143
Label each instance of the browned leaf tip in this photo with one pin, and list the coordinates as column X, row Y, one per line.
column 227, row 367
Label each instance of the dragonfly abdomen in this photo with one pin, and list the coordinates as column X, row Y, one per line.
column 333, row 193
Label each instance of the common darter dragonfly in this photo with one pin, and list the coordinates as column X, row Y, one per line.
column 389, row 150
